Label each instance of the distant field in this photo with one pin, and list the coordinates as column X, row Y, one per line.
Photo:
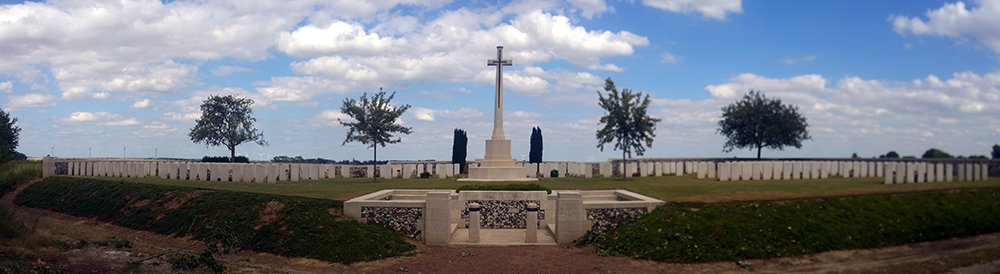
column 668, row 188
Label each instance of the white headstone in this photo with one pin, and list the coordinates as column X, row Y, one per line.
column 711, row 170
column 755, row 171
column 911, row 172
column 248, row 171
column 949, row 172
column 407, row 170
column 975, row 172
column 767, row 170
column 736, row 171
column 888, row 169
column 900, row 173
column 984, row 172
column 796, row 170
column 779, row 171
column 747, row 173
column 724, row 171
column 931, row 173
column 679, row 168
column 702, row 170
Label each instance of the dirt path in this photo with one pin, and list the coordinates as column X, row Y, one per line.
column 532, row 259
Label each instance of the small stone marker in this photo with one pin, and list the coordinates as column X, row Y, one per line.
column 531, row 230
column 474, row 222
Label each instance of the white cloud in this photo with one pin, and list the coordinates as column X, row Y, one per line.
column 222, row 71
column 31, row 100
column 715, row 9
column 956, row 20
column 186, row 117
column 126, row 122
column 328, row 118
column 155, row 129
column 101, row 117
column 426, row 114
column 337, row 38
column 668, row 58
column 744, row 82
column 450, row 48
column 144, row 103
column 589, row 8
column 423, row 114
column 6, row 87
column 302, row 89
column 792, row 61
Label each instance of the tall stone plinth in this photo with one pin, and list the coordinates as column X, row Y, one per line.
column 497, row 166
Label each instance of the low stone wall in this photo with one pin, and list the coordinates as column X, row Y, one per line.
column 501, row 214
column 604, row 219
column 570, row 213
column 404, row 220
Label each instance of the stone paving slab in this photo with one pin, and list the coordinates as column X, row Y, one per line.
column 500, row 237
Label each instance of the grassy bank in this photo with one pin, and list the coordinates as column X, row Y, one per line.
column 668, row 188
column 700, row 232
column 15, row 173
column 289, row 226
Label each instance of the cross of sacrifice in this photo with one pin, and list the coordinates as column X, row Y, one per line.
column 498, row 102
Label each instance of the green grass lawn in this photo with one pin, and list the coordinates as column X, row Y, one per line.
column 668, row 188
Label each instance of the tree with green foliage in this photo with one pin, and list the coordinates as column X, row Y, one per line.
column 625, row 121
column 226, row 121
column 460, row 149
column 892, row 154
column 996, row 152
column 10, row 135
column 374, row 122
column 535, row 152
column 934, row 153
column 758, row 122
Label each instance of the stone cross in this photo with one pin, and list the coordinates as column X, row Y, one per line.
column 498, row 102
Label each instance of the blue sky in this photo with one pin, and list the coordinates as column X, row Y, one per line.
column 87, row 78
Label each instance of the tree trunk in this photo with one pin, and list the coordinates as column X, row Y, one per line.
column 624, row 166
column 758, row 152
column 374, row 162
column 232, row 155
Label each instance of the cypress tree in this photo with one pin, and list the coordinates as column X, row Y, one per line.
column 535, row 154
column 459, row 151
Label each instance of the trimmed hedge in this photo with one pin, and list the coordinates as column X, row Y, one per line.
column 506, row 187
column 699, row 232
column 289, row 226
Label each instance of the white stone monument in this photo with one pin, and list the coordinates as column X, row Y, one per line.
column 497, row 164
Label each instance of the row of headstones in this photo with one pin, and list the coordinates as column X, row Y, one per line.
column 266, row 172
column 654, row 169
column 921, row 172
column 563, row 168
column 791, row 170
column 587, row 170
column 407, row 171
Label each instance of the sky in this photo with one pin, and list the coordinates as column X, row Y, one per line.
column 90, row 78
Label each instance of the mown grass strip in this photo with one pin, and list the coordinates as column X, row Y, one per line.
column 700, row 232
column 505, row 187
column 289, row 226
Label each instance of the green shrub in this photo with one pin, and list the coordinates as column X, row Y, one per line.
column 16, row 173
column 554, row 173
column 425, row 175
column 698, row 232
column 505, row 187
column 224, row 159
column 11, row 225
column 289, row 226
